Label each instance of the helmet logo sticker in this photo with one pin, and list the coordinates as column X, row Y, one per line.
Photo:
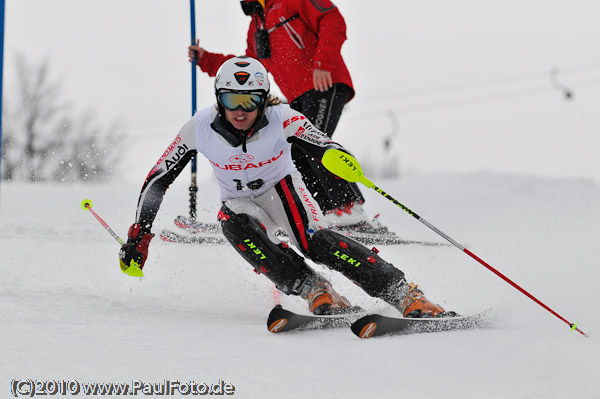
column 260, row 78
column 242, row 64
column 241, row 77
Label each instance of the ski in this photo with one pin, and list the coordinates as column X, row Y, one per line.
column 384, row 239
column 375, row 325
column 367, row 238
column 171, row 236
column 195, row 227
column 282, row 320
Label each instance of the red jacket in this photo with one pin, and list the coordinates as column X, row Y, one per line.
column 313, row 40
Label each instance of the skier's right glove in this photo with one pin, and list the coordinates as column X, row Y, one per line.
column 133, row 255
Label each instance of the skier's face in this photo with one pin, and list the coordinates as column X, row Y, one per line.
column 240, row 119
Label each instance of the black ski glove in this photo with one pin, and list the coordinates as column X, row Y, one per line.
column 133, row 255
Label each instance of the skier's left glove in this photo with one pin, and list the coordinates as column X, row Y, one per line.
column 133, row 255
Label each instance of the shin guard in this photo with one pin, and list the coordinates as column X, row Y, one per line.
column 279, row 263
column 356, row 262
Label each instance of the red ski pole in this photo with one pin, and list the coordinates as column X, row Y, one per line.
column 132, row 270
column 86, row 205
column 348, row 168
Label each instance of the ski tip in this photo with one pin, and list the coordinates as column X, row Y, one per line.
column 166, row 238
column 367, row 331
column 277, row 320
column 278, row 325
column 86, row 204
column 364, row 327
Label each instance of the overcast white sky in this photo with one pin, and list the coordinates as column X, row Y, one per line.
column 466, row 82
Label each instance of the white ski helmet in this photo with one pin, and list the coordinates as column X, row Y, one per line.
column 242, row 74
column 241, row 83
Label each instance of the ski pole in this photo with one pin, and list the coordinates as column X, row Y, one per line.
column 134, row 269
column 348, row 168
column 86, row 205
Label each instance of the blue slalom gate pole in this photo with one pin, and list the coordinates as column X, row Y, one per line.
column 2, row 6
column 193, row 187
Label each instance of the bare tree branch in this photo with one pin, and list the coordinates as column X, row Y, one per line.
column 44, row 140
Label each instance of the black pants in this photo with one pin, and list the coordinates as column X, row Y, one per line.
column 324, row 109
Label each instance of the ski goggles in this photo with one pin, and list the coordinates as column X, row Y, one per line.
column 245, row 101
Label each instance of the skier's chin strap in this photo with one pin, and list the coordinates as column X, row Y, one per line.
column 234, row 136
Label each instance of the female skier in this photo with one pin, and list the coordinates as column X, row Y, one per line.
column 247, row 139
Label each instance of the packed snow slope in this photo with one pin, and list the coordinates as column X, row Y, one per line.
column 68, row 313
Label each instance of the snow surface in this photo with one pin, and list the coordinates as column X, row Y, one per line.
column 464, row 86
column 67, row 312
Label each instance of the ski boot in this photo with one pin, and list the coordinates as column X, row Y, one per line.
column 414, row 304
column 346, row 215
column 372, row 227
column 323, row 300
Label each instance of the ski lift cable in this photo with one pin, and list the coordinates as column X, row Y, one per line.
column 474, row 100
column 481, row 83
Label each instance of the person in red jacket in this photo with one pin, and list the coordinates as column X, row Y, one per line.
column 299, row 42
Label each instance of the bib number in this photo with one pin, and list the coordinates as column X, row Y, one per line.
column 252, row 185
